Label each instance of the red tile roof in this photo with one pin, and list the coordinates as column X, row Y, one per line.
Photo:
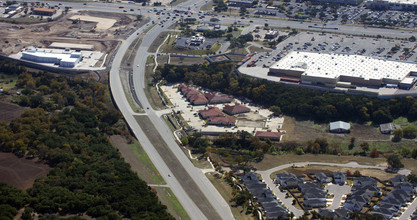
column 235, row 109
column 44, row 10
column 221, row 120
column 217, row 98
column 210, row 112
column 198, row 99
column 268, row 134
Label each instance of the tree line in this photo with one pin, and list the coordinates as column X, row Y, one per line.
column 295, row 101
column 68, row 130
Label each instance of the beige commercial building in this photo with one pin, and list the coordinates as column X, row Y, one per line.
column 344, row 70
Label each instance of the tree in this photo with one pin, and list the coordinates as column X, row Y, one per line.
column 357, row 173
column 412, row 178
column 398, row 134
column 395, row 161
column 365, row 146
column 276, row 110
column 352, row 143
column 374, row 153
column 412, row 38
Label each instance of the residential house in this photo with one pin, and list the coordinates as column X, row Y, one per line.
column 314, row 195
column 287, row 180
column 210, row 112
column 273, row 136
column 396, row 180
column 235, row 109
column 339, row 178
column 322, row 178
column 214, row 98
column 339, row 127
column 364, row 188
column 265, row 197
column 388, row 128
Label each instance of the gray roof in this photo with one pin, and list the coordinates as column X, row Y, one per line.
column 339, row 125
column 388, row 127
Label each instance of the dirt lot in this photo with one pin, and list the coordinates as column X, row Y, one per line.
column 20, row 172
column 8, row 112
column 15, row 37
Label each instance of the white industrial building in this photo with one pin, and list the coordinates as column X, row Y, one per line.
column 197, row 40
column 64, row 59
column 406, row 5
column 344, row 70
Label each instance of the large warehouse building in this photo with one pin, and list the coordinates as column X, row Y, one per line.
column 65, row 59
column 406, row 5
column 344, row 70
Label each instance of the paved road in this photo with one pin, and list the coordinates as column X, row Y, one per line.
column 407, row 214
column 288, row 202
column 215, row 207
column 338, row 192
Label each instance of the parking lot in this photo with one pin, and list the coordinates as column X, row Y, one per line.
column 312, row 41
column 256, row 120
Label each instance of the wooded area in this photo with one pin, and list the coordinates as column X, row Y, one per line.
column 67, row 128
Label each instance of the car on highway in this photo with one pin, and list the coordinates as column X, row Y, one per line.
column 121, row 7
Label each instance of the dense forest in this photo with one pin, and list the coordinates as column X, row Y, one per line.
column 300, row 102
column 67, row 128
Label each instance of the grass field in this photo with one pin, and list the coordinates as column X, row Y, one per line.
column 158, row 41
column 168, row 198
column 271, row 161
column 186, row 60
column 147, row 164
column 7, row 81
column 304, row 130
column 380, row 174
column 208, row 6
column 138, row 159
column 226, row 191
column 8, row 111
column 175, row 166
column 150, row 89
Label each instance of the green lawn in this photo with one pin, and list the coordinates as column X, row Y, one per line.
column 168, row 198
column 7, row 81
column 146, row 162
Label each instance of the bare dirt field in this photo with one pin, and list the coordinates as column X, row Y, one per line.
column 8, row 112
column 20, row 172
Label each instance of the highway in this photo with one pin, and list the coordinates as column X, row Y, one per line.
column 196, row 187
column 197, row 184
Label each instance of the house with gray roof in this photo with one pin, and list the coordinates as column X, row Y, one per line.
column 339, row 178
column 388, row 128
column 322, row 178
column 339, row 127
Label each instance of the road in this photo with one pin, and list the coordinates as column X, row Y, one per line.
column 410, row 209
column 200, row 186
column 288, row 201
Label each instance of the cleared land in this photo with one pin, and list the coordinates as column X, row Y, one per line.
column 102, row 23
column 304, row 130
column 20, row 172
column 382, row 175
column 176, row 168
column 150, row 90
column 8, row 112
column 138, row 159
column 186, row 60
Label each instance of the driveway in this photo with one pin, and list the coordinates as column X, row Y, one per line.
column 338, row 192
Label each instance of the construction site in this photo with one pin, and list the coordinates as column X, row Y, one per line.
column 86, row 32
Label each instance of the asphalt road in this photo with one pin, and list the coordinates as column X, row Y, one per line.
column 195, row 5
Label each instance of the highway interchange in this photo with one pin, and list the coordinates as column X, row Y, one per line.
column 216, row 206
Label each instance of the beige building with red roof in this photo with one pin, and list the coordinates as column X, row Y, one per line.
column 273, row 136
column 214, row 98
column 43, row 11
column 235, row 109
column 210, row 112
column 226, row 121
